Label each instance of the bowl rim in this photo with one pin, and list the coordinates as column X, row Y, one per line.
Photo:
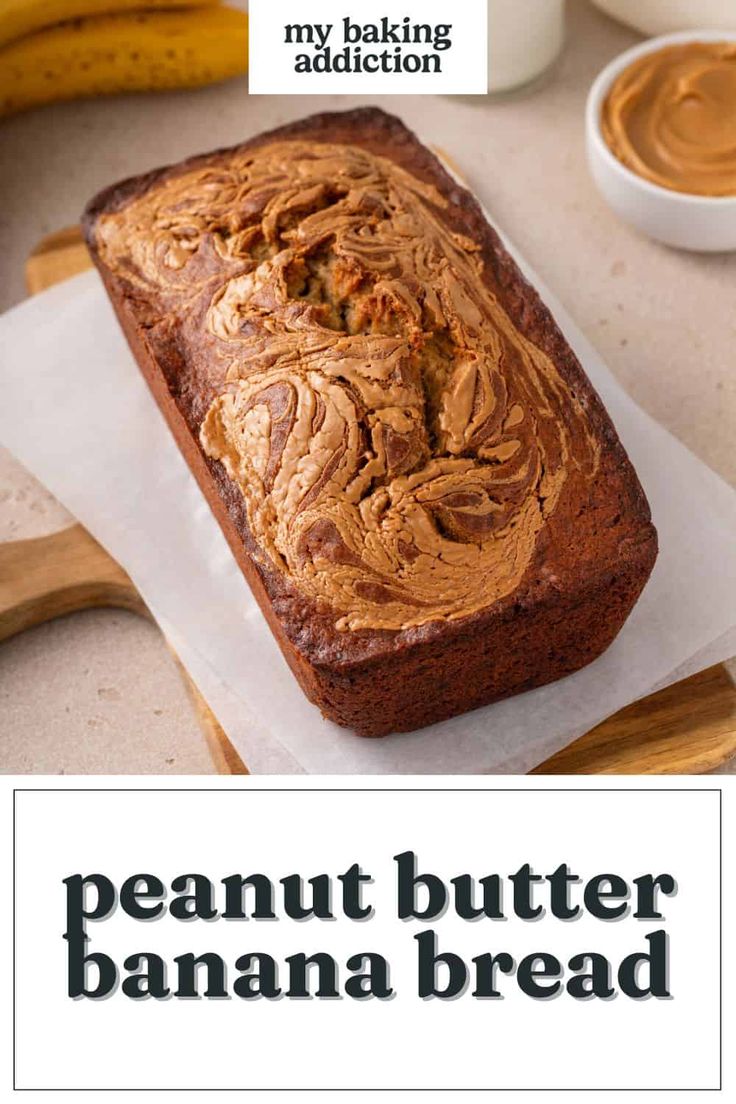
column 600, row 88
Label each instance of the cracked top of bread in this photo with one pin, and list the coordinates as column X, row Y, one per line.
column 400, row 434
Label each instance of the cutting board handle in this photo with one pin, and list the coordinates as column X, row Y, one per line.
column 49, row 576
column 68, row 571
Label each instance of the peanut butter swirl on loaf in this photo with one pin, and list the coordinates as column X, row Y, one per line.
column 399, row 444
column 424, row 492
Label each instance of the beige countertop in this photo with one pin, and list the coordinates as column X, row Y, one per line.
column 98, row 691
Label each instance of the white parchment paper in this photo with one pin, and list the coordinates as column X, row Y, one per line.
column 75, row 410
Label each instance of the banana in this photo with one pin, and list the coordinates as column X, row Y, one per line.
column 135, row 52
column 22, row 17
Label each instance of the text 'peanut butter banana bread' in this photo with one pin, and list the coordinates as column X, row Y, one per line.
column 421, row 486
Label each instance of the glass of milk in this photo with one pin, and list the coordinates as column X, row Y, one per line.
column 525, row 38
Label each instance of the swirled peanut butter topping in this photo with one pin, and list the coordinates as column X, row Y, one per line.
column 671, row 117
column 398, row 443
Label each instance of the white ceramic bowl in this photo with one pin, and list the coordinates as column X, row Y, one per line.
column 701, row 223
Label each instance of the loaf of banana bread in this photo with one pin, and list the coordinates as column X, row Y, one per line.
column 417, row 479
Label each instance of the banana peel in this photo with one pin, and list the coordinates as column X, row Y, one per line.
column 22, row 17
column 140, row 51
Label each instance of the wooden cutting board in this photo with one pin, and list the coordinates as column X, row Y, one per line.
column 689, row 728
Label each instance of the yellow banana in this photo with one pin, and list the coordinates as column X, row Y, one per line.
column 22, row 17
column 136, row 52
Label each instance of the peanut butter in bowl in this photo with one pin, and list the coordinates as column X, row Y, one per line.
column 670, row 117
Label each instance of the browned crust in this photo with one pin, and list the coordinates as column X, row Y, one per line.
column 599, row 544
